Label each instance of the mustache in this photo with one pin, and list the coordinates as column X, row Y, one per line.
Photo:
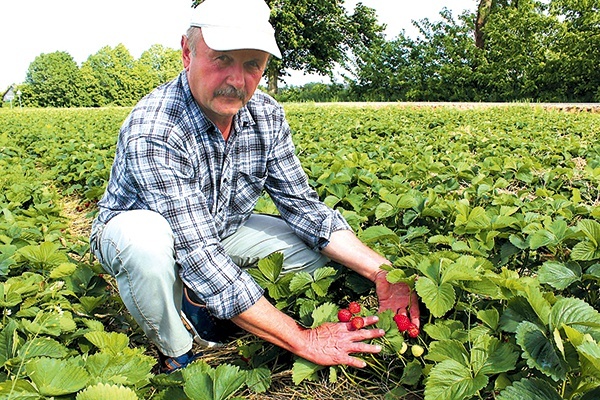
column 230, row 91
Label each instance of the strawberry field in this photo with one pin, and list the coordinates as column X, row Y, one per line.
column 491, row 214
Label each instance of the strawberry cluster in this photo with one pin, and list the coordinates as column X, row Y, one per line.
column 404, row 325
column 349, row 315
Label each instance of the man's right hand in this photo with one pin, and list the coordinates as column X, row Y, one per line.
column 329, row 344
column 333, row 343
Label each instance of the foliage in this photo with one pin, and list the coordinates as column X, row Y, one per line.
column 532, row 51
column 111, row 77
column 491, row 215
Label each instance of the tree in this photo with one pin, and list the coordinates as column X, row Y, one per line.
column 577, row 49
column 52, row 80
column 113, row 78
column 163, row 64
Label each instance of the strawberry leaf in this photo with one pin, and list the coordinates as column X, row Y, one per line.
column 451, row 380
column 529, row 389
column 539, row 351
column 103, row 391
column 438, row 299
column 55, row 377
column 304, row 370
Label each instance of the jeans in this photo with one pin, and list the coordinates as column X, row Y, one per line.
column 137, row 248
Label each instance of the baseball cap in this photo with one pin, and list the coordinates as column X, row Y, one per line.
column 235, row 25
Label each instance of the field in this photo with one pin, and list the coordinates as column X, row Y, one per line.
column 491, row 214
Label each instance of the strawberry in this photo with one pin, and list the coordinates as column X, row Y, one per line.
column 344, row 315
column 413, row 331
column 354, row 307
column 357, row 322
column 417, row 350
column 402, row 321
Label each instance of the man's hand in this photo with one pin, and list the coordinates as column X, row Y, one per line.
column 397, row 297
column 332, row 343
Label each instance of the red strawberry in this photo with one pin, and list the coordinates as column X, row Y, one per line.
column 402, row 321
column 357, row 322
column 344, row 315
column 413, row 331
column 354, row 307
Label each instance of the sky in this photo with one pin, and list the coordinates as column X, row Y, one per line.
column 81, row 28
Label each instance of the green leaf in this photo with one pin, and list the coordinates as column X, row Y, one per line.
column 591, row 229
column 539, row 351
column 411, row 374
column 300, row 281
column 448, row 350
column 42, row 347
column 451, row 380
column 324, row 313
column 45, row 255
column 375, row 234
column 438, row 299
column 131, row 367
column 19, row 389
column 103, row 391
column 304, row 370
column 558, row 275
column 55, row 377
column 490, row 318
column 591, row 351
column 259, row 379
column 64, row 269
column 384, row 210
column 227, row 380
column 573, row 311
column 517, row 311
column 110, row 342
column 9, row 341
column 461, row 270
column 585, row 251
column 198, row 385
column 530, row 389
column 271, row 266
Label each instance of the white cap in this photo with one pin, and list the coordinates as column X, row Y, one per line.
column 236, row 25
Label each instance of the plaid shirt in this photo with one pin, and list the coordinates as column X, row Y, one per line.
column 171, row 159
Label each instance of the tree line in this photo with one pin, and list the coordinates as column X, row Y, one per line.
column 505, row 50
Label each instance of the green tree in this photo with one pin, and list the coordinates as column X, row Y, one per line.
column 113, row 77
column 163, row 64
column 520, row 40
column 52, row 80
column 576, row 55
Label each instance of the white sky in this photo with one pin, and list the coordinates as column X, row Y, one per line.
column 81, row 28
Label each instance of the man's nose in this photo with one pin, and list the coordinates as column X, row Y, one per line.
column 236, row 76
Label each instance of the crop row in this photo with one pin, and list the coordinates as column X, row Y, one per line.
column 496, row 211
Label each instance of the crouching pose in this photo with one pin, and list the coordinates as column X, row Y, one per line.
column 176, row 225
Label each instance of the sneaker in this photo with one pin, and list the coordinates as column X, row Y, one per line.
column 172, row 364
column 207, row 330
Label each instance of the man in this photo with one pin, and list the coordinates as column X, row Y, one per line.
column 192, row 159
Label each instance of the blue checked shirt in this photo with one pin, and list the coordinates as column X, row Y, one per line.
column 171, row 159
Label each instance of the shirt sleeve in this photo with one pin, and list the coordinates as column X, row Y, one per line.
column 298, row 203
column 165, row 179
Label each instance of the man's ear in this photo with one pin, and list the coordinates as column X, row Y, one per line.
column 186, row 53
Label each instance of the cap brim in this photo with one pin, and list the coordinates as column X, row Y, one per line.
column 229, row 38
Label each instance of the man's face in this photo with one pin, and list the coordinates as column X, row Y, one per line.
column 222, row 82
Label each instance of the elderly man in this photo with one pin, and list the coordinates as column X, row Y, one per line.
column 176, row 225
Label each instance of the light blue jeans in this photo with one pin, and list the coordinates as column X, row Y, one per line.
column 136, row 247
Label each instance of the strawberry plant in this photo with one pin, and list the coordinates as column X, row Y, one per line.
column 491, row 215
